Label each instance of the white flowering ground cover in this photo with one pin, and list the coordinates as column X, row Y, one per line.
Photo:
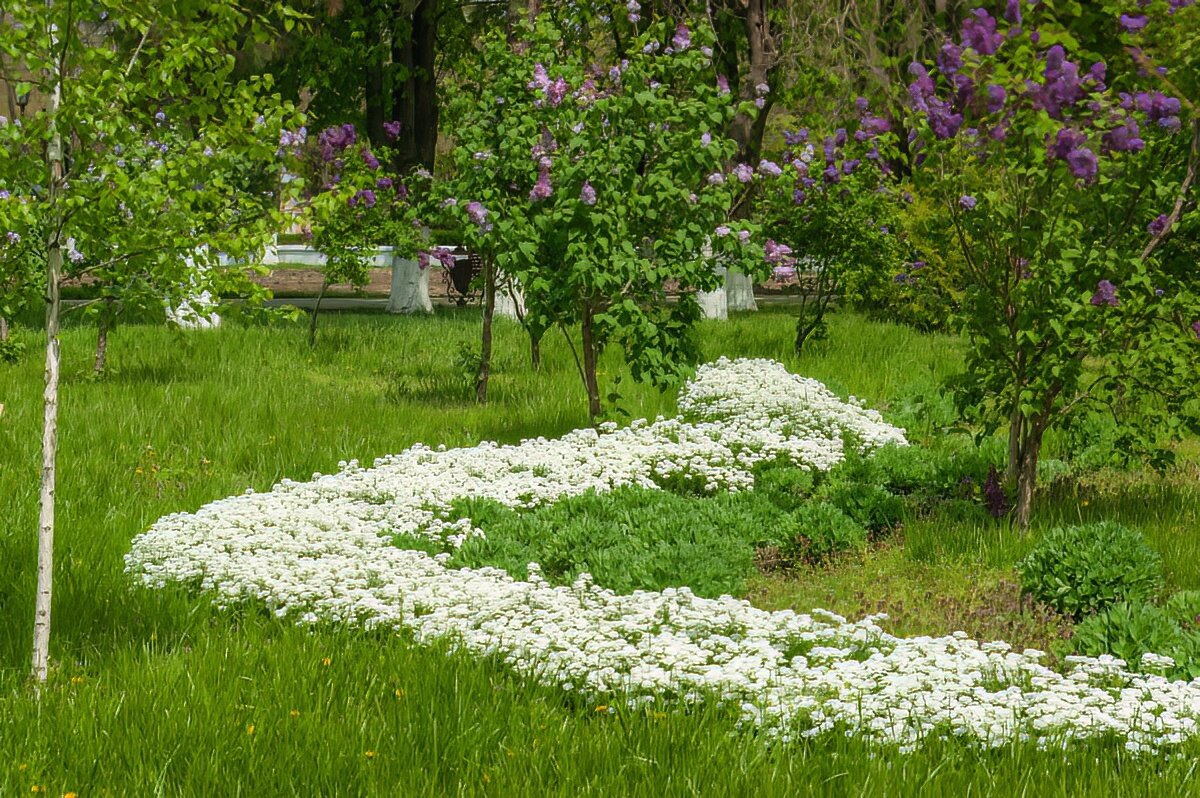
column 322, row 551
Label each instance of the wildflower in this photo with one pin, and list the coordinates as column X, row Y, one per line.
column 295, row 713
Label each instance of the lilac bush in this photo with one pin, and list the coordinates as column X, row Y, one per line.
column 1053, row 187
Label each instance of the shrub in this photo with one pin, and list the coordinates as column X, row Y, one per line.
column 1080, row 570
column 818, row 531
column 785, row 486
column 1129, row 630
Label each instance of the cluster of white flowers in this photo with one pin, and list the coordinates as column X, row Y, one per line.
column 321, row 550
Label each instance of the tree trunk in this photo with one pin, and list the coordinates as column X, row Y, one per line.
column 739, row 291
column 414, row 102
column 3, row 329
column 45, row 561
column 535, row 350
column 1016, row 427
column 590, row 356
column 101, row 347
column 1027, row 475
column 485, row 349
column 373, row 93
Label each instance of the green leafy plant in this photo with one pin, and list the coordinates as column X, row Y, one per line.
column 628, row 539
column 817, row 532
column 1080, row 570
column 1130, row 629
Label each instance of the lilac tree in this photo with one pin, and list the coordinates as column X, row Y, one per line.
column 356, row 203
column 598, row 186
column 831, row 212
column 1058, row 191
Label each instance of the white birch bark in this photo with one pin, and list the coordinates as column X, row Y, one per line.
column 510, row 299
column 45, row 562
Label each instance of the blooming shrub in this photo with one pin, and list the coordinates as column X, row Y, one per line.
column 1053, row 185
column 322, row 551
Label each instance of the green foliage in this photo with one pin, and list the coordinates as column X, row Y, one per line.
column 1130, row 629
column 1080, row 570
column 785, row 485
column 170, row 162
column 629, row 539
column 817, row 532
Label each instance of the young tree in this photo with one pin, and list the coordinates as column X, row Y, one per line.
column 106, row 72
column 359, row 204
column 1059, row 190
column 618, row 172
column 831, row 214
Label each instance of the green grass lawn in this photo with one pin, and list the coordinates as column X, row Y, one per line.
column 158, row 693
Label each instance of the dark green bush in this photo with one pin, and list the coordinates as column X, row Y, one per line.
column 1079, row 570
column 1129, row 630
column 817, row 532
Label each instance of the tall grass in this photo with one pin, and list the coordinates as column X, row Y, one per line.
column 157, row 693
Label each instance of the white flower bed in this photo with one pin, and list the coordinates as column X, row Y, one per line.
column 322, row 550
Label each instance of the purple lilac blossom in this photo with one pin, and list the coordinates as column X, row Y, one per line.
column 1131, row 23
column 967, row 202
column 477, row 213
column 587, row 194
column 1159, row 225
column 705, row 139
column 769, row 168
column 716, row 179
column 1106, row 294
column 1084, row 164
column 542, row 189
column 391, row 130
column 979, row 32
column 1196, row 329
column 370, row 160
column 1012, row 12
column 722, row 230
column 682, row 38
column 722, row 84
column 744, row 236
column 743, row 173
column 13, row 237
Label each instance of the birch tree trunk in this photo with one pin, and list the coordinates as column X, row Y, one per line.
column 45, row 564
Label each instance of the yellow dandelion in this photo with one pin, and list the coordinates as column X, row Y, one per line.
column 250, row 729
column 399, row 693
column 327, row 661
column 487, row 779
column 602, row 708
column 369, row 754
column 21, row 768
column 70, row 795
column 295, row 713
column 76, row 680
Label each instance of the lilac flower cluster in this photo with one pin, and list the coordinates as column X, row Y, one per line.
column 335, row 140
column 1093, row 122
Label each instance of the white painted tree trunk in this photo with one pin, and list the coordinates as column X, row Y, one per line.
column 410, row 287
column 198, row 310
column 714, row 304
column 45, row 561
column 739, row 291
column 510, row 299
